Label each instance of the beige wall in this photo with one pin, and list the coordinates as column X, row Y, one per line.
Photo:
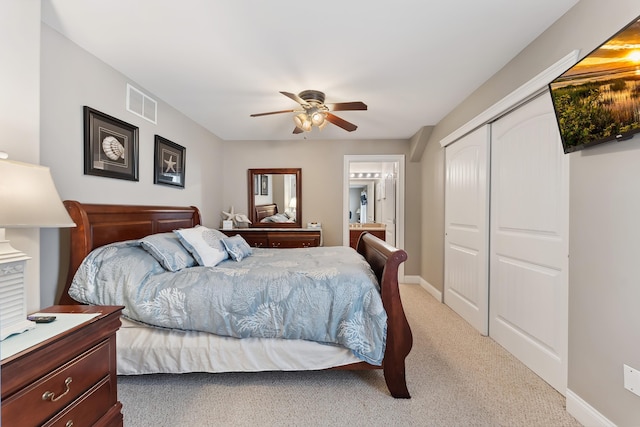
column 71, row 78
column 20, row 113
column 216, row 171
column 432, row 216
column 322, row 181
column 604, row 325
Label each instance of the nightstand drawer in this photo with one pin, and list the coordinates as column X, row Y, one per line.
column 86, row 410
column 47, row 396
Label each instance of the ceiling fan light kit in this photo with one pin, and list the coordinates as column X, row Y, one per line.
column 303, row 122
column 316, row 113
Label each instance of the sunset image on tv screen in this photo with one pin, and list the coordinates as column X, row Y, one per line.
column 598, row 99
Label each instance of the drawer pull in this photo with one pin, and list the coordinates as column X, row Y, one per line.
column 69, row 423
column 49, row 395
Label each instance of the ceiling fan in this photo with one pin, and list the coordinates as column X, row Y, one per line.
column 315, row 112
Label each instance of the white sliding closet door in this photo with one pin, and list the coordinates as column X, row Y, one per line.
column 529, row 240
column 466, row 228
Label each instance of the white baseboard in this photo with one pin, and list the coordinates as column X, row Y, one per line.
column 585, row 413
column 428, row 286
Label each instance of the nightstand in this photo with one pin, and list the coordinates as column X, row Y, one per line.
column 67, row 378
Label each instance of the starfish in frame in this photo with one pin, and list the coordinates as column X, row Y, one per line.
column 171, row 165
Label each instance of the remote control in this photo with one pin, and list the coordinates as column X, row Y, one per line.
column 40, row 318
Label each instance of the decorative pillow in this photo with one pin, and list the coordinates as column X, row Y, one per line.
column 167, row 249
column 237, row 247
column 205, row 244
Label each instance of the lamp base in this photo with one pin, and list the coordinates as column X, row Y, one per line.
column 13, row 304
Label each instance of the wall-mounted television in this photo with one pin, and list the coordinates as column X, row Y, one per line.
column 598, row 99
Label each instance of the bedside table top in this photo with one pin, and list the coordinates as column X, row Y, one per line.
column 100, row 309
column 67, row 318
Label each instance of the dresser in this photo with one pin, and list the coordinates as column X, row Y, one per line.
column 279, row 237
column 67, row 379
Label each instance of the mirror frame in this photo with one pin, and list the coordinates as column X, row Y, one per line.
column 252, row 205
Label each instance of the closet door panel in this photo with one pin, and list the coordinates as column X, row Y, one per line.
column 529, row 240
column 466, row 226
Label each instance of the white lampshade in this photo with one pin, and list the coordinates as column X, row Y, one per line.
column 28, row 197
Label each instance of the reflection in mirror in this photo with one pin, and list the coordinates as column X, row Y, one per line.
column 360, row 209
column 275, row 197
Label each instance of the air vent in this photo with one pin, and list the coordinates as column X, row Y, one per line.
column 141, row 105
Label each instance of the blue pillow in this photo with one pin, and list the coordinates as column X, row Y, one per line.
column 167, row 249
column 237, row 247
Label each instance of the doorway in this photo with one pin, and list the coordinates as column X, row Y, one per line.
column 384, row 195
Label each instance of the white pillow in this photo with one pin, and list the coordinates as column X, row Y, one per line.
column 205, row 244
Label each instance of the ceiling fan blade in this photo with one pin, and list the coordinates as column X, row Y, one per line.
column 297, row 130
column 295, row 98
column 272, row 112
column 347, row 106
column 349, row 127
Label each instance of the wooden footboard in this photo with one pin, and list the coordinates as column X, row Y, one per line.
column 385, row 261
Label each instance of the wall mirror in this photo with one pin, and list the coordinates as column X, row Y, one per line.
column 275, row 198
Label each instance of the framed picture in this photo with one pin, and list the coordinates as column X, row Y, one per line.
column 169, row 163
column 264, row 185
column 110, row 146
column 256, row 185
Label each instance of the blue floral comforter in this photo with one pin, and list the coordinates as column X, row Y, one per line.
column 324, row 294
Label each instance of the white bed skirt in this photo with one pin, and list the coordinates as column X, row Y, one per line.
column 146, row 350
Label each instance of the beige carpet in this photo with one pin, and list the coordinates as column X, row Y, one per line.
column 456, row 378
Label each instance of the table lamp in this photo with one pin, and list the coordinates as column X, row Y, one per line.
column 293, row 203
column 28, row 199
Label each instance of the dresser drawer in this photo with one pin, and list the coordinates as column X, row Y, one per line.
column 256, row 240
column 294, row 240
column 280, row 238
column 87, row 409
column 60, row 387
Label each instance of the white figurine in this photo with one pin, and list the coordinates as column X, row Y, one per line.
column 241, row 221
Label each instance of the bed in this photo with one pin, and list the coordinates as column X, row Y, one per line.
column 147, row 349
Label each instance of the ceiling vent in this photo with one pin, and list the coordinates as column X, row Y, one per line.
column 141, row 105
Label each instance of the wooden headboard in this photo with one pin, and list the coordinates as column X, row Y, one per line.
column 263, row 211
column 98, row 225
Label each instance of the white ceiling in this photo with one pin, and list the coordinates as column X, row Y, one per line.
column 218, row 61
